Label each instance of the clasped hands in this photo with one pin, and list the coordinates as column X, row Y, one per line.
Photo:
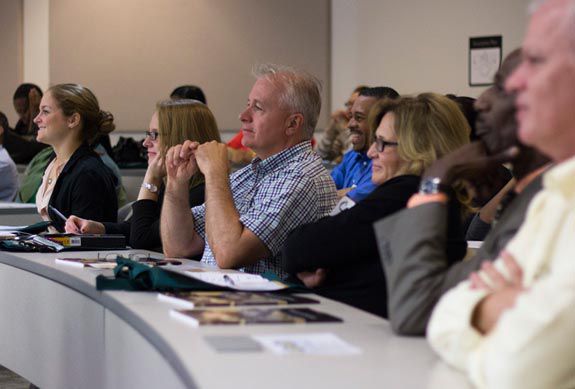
column 183, row 161
column 503, row 291
column 471, row 163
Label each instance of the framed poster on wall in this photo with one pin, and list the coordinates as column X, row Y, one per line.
column 484, row 59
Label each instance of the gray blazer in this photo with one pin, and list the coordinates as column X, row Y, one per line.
column 412, row 250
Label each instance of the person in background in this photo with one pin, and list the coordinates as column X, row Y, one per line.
column 26, row 103
column 478, row 224
column 238, row 154
column 467, row 106
column 20, row 142
column 511, row 324
column 418, row 269
column 341, row 250
column 32, row 177
column 335, row 140
column 8, row 171
column 189, row 92
column 248, row 215
column 76, row 182
column 173, row 122
column 352, row 176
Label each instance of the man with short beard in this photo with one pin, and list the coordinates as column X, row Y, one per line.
column 352, row 176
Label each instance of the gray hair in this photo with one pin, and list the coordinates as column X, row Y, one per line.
column 569, row 19
column 534, row 6
column 300, row 92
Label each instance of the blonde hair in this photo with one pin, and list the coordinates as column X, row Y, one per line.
column 183, row 119
column 427, row 126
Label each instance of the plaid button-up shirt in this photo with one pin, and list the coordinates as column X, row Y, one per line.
column 274, row 196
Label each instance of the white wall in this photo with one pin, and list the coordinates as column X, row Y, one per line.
column 132, row 53
column 10, row 55
column 412, row 45
column 36, row 36
column 415, row 45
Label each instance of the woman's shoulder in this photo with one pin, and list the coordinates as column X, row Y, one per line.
column 86, row 159
column 88, row 165
column 407, row 184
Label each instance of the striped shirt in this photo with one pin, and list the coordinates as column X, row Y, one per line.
column 274, row 196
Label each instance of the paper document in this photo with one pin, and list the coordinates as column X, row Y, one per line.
column 236, row 280
column 6, row 235
column 474, row 244
column 12, row 228
column 323, row 343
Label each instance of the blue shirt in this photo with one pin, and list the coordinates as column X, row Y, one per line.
column 8, row 176
column 273, row 196
column 354, row 171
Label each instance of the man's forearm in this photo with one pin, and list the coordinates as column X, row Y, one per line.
column 179, row 239
column 223, row 227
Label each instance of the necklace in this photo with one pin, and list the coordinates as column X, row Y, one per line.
column 55, row 171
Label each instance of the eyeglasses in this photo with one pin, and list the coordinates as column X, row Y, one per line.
column 153, row 135
column 139, row 257
column 380, row 144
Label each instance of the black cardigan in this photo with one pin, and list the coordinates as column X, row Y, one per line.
column 345, row 245
column 86, row 187
column 143, row 229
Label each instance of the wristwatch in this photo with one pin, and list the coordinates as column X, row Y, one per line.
column 151, row 187
column 432, row 185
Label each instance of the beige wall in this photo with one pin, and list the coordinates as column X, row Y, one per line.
column 36, row 38
column 133, row 52
column 10, row 54
column 415, row 45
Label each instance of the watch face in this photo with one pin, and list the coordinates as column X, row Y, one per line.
column 429, row 186
column 151, row 187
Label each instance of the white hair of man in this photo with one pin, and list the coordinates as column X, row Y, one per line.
column 300, row 92
column 569, row 19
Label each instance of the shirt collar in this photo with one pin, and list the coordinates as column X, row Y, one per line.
column 361, row 155
column 560, row 178
column 279, row 159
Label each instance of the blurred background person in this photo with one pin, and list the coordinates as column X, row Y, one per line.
column 8, row 171
column 20, row 142
column 190, row 92
column 335, row 140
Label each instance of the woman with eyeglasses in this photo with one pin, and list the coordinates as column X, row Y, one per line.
column 173, row 122
column 338, row 255
column 76, row 181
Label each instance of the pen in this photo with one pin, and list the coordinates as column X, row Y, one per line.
column 229, row 280
column 57, row 213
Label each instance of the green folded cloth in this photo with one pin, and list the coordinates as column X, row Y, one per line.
column 131, row 275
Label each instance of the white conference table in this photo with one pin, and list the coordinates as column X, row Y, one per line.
column 58, row 331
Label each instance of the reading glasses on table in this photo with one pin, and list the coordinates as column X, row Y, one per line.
column 139, row 257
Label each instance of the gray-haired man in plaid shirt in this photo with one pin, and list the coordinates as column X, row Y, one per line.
column 248, row 215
